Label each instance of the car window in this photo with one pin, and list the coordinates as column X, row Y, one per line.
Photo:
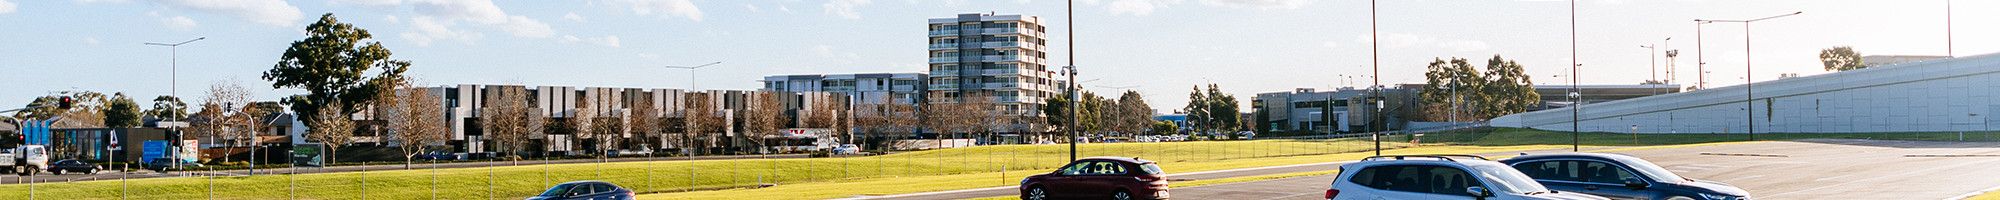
column 1549, row 170
column 1507, row 181
column 558, row 190
column 1078, row 168
column 1152, row 168
column 1448, row 180
column 1109, row 168
column 1607, row 173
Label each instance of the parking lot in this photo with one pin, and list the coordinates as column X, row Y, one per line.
column 1806, row 169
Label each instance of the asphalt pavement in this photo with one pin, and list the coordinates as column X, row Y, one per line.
column 1805, row 169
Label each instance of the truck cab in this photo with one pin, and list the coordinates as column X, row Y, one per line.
column 24, row 160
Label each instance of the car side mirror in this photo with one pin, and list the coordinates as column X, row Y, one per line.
column 1635, row 184
column 1478, row 191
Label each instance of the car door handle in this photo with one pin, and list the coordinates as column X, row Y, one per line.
column 1590, row 187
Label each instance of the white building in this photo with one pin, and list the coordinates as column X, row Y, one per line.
column 1002, row 57
column 1943, row 95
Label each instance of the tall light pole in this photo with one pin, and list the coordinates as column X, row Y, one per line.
column 1070, row 18
column 1749, row 106
column 1652, row 59
column 1947, row 29
column 1375, row 51
column 1575, row 131
column 691, row 84
column 1700, row 65
column 173, row 64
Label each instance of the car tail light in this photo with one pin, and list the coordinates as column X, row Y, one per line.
column 1330, row 193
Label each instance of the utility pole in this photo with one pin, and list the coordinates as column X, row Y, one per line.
column 1073, row 100
column 1947, row 29
column 1375, row 49
column 1700, row 65
column 1575, row 131
column 1749, row 98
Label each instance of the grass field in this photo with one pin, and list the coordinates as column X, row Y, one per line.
column 934, row 170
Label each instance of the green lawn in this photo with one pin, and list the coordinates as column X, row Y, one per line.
column 935, row 170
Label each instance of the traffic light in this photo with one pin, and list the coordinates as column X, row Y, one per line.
column 64, row 103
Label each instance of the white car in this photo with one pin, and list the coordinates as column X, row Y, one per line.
column 846, row 149
column 1441, row 177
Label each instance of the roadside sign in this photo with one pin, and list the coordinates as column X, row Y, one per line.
column 308, row 155
column 153, row 149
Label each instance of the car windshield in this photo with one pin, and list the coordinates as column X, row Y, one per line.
column 1652, row 170
column 1152, row 169
column 557, row 190
column 1508, row 180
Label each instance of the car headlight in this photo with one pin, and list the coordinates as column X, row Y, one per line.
column 1720, row 197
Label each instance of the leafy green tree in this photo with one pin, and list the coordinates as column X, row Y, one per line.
column 1197, row 110
column 1164, row 127
column 1508, row 89
column 1134, row 115
column 330, row 64
column 1840, row 58
column 121, row 112
column 168, row 108
column 1451, row 87
column 1224, row 115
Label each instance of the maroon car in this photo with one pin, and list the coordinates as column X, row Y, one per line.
column 1099, row 178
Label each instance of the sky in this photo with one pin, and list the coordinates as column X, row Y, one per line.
column 1161, row 48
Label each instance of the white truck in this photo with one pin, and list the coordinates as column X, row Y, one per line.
column 24, row 160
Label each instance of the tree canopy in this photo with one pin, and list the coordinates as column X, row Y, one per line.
column 330, row 64
column 1840, row 58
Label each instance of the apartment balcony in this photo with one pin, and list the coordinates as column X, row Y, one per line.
column 945, row 32
column 944, row 46
column 944, row 72
column 945, row 86
column 838, row 88
column 1009, row 30
column 999, row 85
column 952, row 59
column 995, row 58
column 999, row 44
column 999, row 71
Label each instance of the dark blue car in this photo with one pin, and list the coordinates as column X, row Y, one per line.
column 585, row 190
column 1618, row 177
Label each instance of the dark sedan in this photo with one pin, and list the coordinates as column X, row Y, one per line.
column 1618, row 177
column 1099, row 178
column 62, row 166
column 585, row 190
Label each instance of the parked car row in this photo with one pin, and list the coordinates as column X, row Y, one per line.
column 1552, row 176
column 1562, row 176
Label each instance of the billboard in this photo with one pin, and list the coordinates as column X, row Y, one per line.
column 309, row 155
column 153, row 149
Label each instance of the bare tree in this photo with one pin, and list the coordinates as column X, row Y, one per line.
column 763, row 118
column 506, row 119
column 903, row 118
column 333, row 128
column 420, row 122
column 644, row 120
column 700, row 119
column 219, row 121
column 580, row 121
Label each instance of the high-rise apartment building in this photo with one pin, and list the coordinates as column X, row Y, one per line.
column 870, row 88
column 1001, row 57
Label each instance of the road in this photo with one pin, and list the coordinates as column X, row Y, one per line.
column 1806, row 169
column 1177, row 192
column 141, row 174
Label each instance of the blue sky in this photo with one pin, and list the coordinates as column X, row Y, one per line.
column 1159, row 47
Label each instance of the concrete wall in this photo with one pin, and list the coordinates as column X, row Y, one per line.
column 1930, row 96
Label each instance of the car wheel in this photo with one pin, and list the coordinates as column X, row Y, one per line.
column 56, row 171
column 1121, row 195
column 1035, row 193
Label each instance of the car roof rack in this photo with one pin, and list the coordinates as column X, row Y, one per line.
column 1446, row 157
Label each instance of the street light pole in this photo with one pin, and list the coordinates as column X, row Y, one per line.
column 173, row 64
column 1749, row 98
column 691, row 84
column 1653, row 60
column 1375, row 51
column 1575, row 131
column 1070, row 18
column 1700, row 65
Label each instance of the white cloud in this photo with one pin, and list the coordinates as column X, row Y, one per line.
column 1405, row 40
column 609, row 41
column 844, row 8
column 91, row 41
column 7, row 7
column 1330, row 44
column 268, row 12
column 1259, row 4
column 752, row 7
column 100, row 1
column 178, row 22
column 1137, row 7
column 786, row 9
column 664, row 8
column 369, row 2
column 522, row 26
column 392, row 19
column 573, row 17
column 436, row 20
column 424, row 30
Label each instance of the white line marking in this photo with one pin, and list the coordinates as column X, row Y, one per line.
column 1975, row 193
